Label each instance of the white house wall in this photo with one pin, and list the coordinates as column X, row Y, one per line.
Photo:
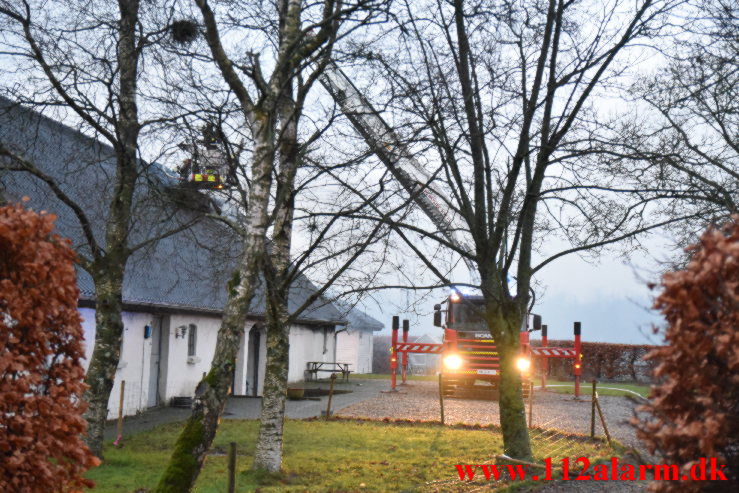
column 134, row 361
column 185, row 372
column 347, row 348
column 245, row 363
column 364, row 358
column 355, row 347
column 308, row 344
column 179, row 374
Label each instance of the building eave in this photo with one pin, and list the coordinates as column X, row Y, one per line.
column 172, row 309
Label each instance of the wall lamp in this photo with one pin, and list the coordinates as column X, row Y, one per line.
column 180, row 331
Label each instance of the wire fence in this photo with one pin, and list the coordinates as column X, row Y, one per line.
column 562, row 430
column 128, row 402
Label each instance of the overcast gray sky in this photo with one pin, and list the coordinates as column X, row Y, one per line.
column 610, row 297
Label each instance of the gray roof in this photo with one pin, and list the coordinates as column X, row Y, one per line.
column 186, row 271
column 356, row 318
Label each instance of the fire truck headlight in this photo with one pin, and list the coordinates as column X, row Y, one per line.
column 453, row 362
column 523, row 364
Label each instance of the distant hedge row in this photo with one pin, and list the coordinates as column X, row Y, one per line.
column 381, row 355
column 603, row 361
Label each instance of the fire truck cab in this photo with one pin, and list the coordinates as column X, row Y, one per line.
column 470, row 360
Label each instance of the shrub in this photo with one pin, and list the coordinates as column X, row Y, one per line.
column 41, row 377
column 694, row 411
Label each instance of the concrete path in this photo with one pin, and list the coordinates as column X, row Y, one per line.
column 250, row 407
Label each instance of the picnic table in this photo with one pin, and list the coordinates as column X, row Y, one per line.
column 327, row 366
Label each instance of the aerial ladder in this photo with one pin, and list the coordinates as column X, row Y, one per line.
column 468, row 353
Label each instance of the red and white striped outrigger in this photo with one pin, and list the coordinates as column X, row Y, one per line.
column 555, row 352
column 405, row 347
column 419, row 348
column 543, row 353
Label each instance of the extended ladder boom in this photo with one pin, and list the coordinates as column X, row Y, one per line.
column 406, row 169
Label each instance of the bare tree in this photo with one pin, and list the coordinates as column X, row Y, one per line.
column 501, row 100
column 684, row 144
column 296, row 37
column 86, row 57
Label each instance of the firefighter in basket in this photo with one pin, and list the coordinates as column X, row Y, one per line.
column 208, row 166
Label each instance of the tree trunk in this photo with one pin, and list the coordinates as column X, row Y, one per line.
column 108, row 273
column 211, row 393
column 268, row 455
column 109, row 267
column 516, row 441
column 105, row 355
column 505, row 328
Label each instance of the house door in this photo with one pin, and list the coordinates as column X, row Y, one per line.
column 154, row 361
column 252, row 371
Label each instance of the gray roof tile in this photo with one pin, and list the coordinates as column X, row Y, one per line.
column 187, row 270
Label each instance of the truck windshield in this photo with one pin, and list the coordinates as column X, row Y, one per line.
column 467, row 315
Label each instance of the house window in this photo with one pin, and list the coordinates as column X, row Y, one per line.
column 192, row 339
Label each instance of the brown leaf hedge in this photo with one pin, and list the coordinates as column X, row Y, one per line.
column 602, row 361
column 694, row 410
column 41, row 375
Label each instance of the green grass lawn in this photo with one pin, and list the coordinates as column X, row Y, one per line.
column 604, row 388
column 346, row 456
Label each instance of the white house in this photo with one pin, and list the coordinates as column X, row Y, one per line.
column 164, row 355
column 174, row 288
column 354, row 341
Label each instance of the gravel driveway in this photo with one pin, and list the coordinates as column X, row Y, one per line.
column 420, row 400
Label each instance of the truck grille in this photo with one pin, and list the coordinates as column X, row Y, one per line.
column 477, row 353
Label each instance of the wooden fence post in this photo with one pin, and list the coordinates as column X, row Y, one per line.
column 602, row 419
column 592, row 411
column 232, row 467
column 531, row 404
column 119, row 436
column 330, row 395
column 441, row 399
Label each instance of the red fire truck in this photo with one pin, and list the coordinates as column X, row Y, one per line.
column 470, row 359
